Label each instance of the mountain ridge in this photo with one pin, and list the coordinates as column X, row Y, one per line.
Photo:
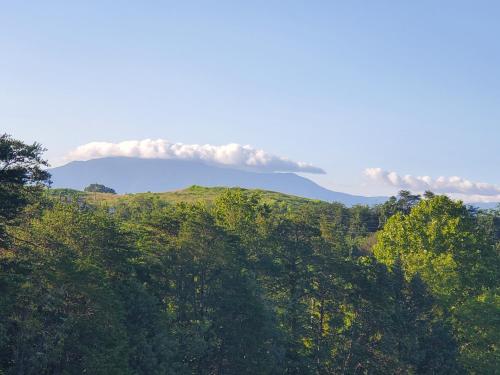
column 137, row 175
column 134, row 175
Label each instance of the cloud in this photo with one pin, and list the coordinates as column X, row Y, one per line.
column 456, row 186
column 231, row 155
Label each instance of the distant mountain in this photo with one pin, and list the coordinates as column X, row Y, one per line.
column 134, row 175
column 484, row 205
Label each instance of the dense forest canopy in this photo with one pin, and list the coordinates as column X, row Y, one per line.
column 241, row 283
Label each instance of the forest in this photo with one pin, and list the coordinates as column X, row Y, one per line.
column 240, row 283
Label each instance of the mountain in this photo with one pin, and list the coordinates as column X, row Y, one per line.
column 485, row 205
column 133, row 175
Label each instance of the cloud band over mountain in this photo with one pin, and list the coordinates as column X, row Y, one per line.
column 231, row 155
column 458, row 186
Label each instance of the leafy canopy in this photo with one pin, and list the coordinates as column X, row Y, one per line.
column 22, row 177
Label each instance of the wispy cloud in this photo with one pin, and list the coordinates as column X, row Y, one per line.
column 231, row 155
column 456, row 186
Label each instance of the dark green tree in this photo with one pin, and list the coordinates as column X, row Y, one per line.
column 22, row 178
column 99, row 188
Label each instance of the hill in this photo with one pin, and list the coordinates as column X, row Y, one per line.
column 191, row 194
column 134, row 175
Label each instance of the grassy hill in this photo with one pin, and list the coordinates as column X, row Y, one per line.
column 136, row 175
column 192, row 194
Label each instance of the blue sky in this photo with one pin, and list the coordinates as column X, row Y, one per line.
column 410, row 87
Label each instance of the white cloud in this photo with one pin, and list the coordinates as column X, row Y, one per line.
column 455, row 186
column 231, row 155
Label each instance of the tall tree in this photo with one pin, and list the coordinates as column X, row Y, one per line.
column 22, row 177
column 443, row 243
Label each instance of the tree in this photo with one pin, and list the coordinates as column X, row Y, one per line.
column 64, row 315
column 98, row 188
column 444, row 244
column 22, row 178
column 401, row 204
column 429, row 194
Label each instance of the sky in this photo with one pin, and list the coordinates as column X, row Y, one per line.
column 378, row 95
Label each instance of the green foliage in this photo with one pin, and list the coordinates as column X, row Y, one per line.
column 403, row 204
column 98, row 188
column 234, row 281
column 455, row 253
column 237, row 286
column 22, row 178
column 477, row 322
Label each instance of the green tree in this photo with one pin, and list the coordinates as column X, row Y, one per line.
column 403, row 204
column 65, row 316
column 22, row 178
column 99, row 188
column 443, row 243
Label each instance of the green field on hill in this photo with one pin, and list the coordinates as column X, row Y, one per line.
column 191, row 194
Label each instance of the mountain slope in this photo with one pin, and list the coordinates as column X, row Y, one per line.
column 192, row 194
column 132, row 175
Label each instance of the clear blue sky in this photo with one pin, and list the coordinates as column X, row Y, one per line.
column 411, row 87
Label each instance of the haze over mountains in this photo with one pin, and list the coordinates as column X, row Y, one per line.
column 134, row 175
